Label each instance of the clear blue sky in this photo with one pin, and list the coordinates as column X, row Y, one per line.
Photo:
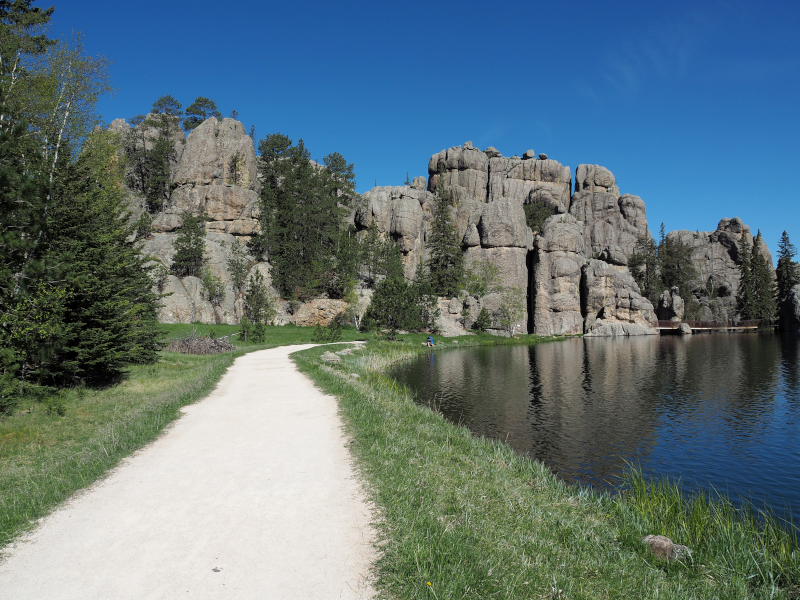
column 694, row 106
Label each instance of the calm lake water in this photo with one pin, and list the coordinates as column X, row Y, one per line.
column 719, row 409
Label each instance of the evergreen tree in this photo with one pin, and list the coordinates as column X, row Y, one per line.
column 536, row 214
column 190, row 246
column 110, row 309
column 676, row 268
column 342, row 175
column 788, row 271
column 259, row 304
column 167, row 105
column 763, row 285
column 643, row 265
column 150, row 149
column 394, row 306
column 301, row 219
column 198, row 111
column 746, row 297
column 446, row 262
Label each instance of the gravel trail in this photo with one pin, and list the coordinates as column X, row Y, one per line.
column 250, row 494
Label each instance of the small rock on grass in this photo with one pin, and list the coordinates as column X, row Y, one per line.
column 330, row 357
column 664, row 548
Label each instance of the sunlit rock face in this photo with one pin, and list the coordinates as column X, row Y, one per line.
column 717, row 258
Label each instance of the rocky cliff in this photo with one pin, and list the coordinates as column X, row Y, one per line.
column 215, row 173
column 574, row 270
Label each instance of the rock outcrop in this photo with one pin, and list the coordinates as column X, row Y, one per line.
column 559, row 255
column 463, row 171
column 789, row 311
column 529, row 181
column 217, row 175
column 670, row 305
column 574, row 272
column 613, row 222
column 612, row 304
column 402, row 212
column 716, row 256
column 214, row 173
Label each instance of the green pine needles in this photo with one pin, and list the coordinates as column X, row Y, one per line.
column 757, row 289
column 446, row 262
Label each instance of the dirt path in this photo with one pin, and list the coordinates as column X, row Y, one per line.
column 251, row 494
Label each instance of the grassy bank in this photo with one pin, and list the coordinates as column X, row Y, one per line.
column 464, row 517
column 45, row 456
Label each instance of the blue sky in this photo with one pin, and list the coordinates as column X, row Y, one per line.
column 694, row 106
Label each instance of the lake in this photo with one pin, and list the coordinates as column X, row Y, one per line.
column 714, row 409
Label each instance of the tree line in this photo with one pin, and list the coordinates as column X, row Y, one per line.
column 77, row 303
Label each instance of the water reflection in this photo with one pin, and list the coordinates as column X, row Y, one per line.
column 721, row 409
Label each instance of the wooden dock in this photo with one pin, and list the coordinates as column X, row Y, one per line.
column 701, row 326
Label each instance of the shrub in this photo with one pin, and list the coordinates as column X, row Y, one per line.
column 213, row 287
column 484, row 320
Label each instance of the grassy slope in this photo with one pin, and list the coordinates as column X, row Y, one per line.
column 45, row 458
column 462, row 517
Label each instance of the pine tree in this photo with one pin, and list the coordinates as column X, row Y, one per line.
column 746, row 297
column 190, row 246
column 676, row 268
column 198, row 111
column 110, row 311
column 763, row 285
column 643, row 265
column 788, row 271
column 446, row 262
column 301, row 218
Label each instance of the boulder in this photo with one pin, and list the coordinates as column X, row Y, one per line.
column 529, row 181
column 670, row 305
column 685, row 329
column 613, row 223
column 419, row 183
column 330, row 358
column 492, row 152
column 611, row 297
column 789, row 311
column 463, row 171
column 558, row 256
column 318, row 312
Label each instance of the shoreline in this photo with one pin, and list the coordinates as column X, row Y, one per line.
column 451, row 503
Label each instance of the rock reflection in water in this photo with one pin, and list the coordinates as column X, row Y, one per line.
column 722, row 409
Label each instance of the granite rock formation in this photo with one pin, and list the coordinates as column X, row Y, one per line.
column 670, row 305
column 613, row 222
column 717, row 256
column 611, row 302
column 402, row 212
column 559, row 255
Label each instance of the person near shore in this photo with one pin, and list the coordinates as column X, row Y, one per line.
column 429, row 341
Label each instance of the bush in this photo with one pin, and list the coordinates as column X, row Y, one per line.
column 484, row 320
column 246, row 326
column 331, row 333
column 482, row 278
column 213, row 287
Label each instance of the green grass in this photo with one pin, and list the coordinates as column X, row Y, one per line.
column 45, row 457
column 466, row 517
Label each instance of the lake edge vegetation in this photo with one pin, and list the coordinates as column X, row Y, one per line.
column 466, row 517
